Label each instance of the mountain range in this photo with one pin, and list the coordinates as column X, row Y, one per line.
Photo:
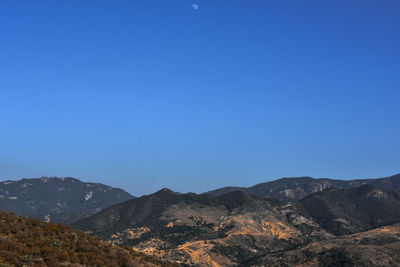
column 290, row 221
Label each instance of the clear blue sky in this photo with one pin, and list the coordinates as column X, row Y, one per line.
column 150, row 94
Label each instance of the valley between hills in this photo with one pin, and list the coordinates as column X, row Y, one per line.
column 287, row 222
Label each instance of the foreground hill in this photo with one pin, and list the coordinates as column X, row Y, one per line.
column 346, row 211
column 57, row 199
column 203, row 229
column 29, row 242
column 291, row 189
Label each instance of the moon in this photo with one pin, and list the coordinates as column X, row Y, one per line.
column 195, row 6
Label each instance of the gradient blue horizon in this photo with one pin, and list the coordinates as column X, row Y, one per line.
column 150, row 94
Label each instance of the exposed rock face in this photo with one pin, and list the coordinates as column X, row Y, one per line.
column 292, row 189
column 58, row 200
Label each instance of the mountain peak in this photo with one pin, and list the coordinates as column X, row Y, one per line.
column 165, row 190
column 164, row 193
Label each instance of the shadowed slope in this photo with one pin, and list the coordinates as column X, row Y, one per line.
column 345, row 211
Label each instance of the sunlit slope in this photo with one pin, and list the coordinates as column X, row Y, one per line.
column 377, row 247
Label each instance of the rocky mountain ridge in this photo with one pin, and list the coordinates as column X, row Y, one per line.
column 292, row 189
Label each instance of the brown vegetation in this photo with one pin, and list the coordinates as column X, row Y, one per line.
column 29, row 242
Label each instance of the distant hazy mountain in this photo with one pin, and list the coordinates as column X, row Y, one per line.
column 346, row 211
column 203, row 229
column 291, row 189
column 59, row 200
